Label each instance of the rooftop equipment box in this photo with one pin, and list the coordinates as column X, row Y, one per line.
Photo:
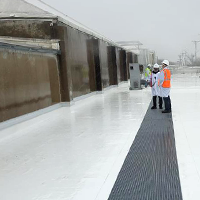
column 134, row 76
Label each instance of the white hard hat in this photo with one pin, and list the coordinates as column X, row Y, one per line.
column 149, row 65
column 166, row 62
column 156, row 66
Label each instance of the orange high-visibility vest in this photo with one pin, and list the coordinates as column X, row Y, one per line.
column 167, row 78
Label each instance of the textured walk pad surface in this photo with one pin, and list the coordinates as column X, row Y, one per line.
column 150, row 170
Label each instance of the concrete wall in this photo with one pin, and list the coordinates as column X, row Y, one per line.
column 86, row 64
column 95, row 65
column 27, row 29
column 103, row 55
column 77, row 61
column 119, row 66
column 123, row 68
column 28, row 82
column 103, row 64
column 129, row 59
column 113, row 68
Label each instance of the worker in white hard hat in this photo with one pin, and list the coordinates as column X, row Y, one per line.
column 147, row 75
column 154, row 87
column 164, row 83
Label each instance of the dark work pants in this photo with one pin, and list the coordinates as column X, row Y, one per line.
column 155, row 101
column 167, row 101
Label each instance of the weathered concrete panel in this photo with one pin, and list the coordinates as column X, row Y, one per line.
column 112, row 64
column 28, row 29
column 52, row 64
column 135, row 58
column 77, row 60
column 103, row 54
column 75, row 63
column 25, row 83
column 119, row 75
column 82, row 66
column 123, row 65
column 94, row 65
column 129, row 59
column 65, row 71
column 99, row 57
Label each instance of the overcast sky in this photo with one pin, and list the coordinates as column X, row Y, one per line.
column 166, row 26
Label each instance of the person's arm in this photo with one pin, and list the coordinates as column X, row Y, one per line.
column 161, row 78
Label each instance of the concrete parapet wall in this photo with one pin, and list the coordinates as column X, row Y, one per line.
column 85, row 65
column 28, row 82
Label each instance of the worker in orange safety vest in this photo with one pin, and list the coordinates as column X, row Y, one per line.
column 164, row 82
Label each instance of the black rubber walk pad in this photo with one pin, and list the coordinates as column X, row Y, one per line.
column 150, row 170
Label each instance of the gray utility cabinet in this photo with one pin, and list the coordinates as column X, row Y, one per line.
column 135, row 77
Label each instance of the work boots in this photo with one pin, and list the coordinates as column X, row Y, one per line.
column 166, row 111
column 160, row 102
column 154, row 103
column 153, row 107
column 167, row 101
